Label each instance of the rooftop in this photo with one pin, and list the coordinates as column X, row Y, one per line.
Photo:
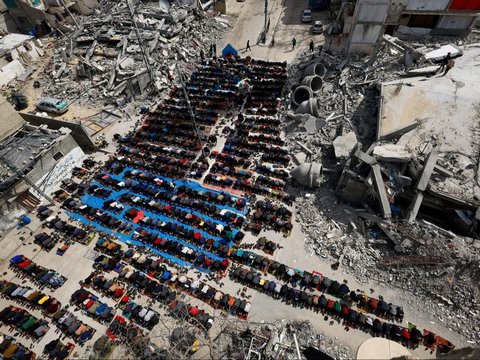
column 20, row 152
column 443, row 111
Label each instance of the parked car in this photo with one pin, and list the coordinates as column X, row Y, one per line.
column 52, row 105
column 317, row 27
column 306, row 15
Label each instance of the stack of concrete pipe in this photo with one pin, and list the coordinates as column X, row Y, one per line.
column 304, row 95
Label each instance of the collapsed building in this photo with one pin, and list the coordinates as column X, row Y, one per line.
column 398, row 143
column 423, row 155
column 361, row 24
column 41, row 17
column 136, row 50
column 33, row 160
column 18, row 54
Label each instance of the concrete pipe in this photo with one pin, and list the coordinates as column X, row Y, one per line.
column 309, row 106
column 301, row 94
column 315, row 69
column 314, row 82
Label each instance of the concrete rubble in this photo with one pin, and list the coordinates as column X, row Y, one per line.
column 344, row 145
column 275, row 340
column 120, row 57
column 379, row 199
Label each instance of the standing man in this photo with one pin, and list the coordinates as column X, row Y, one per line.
column 449, row 66
column 248, row 46
column 294, row 43
column 311, row 46
column 444, row 62
column 214, row 50
column 202, row 55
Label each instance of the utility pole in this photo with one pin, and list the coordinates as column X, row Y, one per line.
column 69, row 13
column 140, row 43
column 265, row 22
column 190, row 110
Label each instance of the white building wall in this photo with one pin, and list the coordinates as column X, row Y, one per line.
column 373, row 10
column 455, row 22
column 424, row 5
column 366, row 33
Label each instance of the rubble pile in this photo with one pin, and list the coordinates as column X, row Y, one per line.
column 274, row 340
column 113, row 58
column 366, row 232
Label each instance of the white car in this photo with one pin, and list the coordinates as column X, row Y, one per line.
column 306, row 16
column 317, row 27
column 51, row 105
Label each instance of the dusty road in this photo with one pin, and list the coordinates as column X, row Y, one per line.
column 285, row 15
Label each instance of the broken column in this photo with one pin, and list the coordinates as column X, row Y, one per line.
column 382, row 193
column 310, row 106
column 422, row 184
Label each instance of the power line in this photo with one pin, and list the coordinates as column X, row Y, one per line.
column 140, row 43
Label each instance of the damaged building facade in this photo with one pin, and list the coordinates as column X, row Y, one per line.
column 18, row 53
column 366, row 21
column 41, row 16
column 33, row 160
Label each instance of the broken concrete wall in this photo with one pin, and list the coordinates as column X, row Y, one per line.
column 78, row 130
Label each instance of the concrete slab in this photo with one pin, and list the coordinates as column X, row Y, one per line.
column 392, row 153
column 443, row 107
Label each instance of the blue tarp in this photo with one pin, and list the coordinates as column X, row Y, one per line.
column 229, row 50
column 115, row 194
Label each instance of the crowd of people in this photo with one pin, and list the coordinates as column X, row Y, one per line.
column 155, row 289
column 318, row 282
column 21, row 320
column 29, row 298
column 39, row 274
column 91, row 306
column 138, row 265
column 57, row 350
column 340, row 310
column 11, row 348
column 71, row 326
column 72, row 232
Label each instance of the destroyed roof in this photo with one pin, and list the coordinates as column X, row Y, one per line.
column 444, row 111
column 11, row 41
column 20, row 152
